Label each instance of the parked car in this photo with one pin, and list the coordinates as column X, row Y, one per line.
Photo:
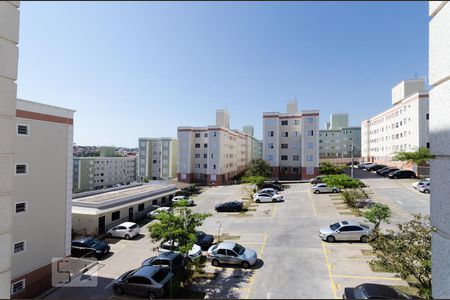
column 424, row 188
column 277, row 187
column 89, row 247
column 420, row 182
column 204, row 240
column 193, row 254
column 126, row 230
column 189, row 201
column 267, row 197
column 346, row 231
column 375, row 167
column 157, row 211
column 374, row 291
column 317, row 179
column 116, row 185
column 229, row 206
column 145, row 281
column 402, row 174
column 324, row 188
column 367, row 165
column 268, row 190
column 355, row 163
column 386, row 171
column 172, row 261
column 231, row 253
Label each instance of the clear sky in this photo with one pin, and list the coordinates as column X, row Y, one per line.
column 140, row 69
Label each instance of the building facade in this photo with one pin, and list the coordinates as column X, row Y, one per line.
column 439, row 80
column 212, row 154
column 158, row 158
column 42, row 195
column 93, row 173
column 337, row 139
column 256, row 145
column 291, row 142
column 403, row 127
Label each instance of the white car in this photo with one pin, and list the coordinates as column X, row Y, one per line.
column 267, row 197
column 424, row 188
column 157, row 211
column 420, row 182
column 176, row 199
column 268, row 190
column 193, row 254
column 126, row 230
column 324, row 188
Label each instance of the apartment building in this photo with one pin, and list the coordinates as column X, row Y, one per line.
column 337, row 139
column 256, row 145
column 93, row 173
column 439, row 80
column 291, row 142
column 212, row 154
column 403, row 127
column 158, row 158
column 42, row 195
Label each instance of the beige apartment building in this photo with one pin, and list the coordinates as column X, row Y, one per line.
column 291, row 142
column 403, row 127
column 212, row 154
column 158, row 158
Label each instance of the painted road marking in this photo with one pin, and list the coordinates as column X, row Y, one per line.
column 333, row 285
column 312, row 203
column 261, row 250
column 368, row 277
column 399, row 202
column 274, row 211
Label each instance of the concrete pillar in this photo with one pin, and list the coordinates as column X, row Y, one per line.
column 9, row 38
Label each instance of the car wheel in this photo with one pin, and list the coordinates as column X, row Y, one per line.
column 316, row 192
column 331, row 239
column 274, row 200
column 245, row 264
column 334, row 191
column 118, row 290
column 151, row 296
column 109, row 235
column 395, row 177
column 412, row 176
column 426, row 191
column 215, row 262
column 364, row 239
column 258, row 201
column 127, row 237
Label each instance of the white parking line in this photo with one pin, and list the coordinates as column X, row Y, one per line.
column 399, row 202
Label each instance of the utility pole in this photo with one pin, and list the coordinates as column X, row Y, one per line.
column 351, row 171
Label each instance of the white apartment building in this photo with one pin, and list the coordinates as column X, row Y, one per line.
column 212, row 154
column 291, row 142
column 158, row 158
column 336, row 140
column 403, row 127
column 42, row 195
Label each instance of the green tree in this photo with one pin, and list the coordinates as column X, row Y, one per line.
column 407, row 252
column 417, row 157
column 328, row 168
column 258, row 167
column 256, row 180
column 376, row 214
column 341, row 181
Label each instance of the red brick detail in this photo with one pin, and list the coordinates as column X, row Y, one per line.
column 189, row 178
column 36, row 282
column 42, row 117
column 305, row 176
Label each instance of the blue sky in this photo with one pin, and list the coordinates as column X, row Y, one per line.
column 133, row 69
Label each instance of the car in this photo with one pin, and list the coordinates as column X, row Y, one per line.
column 374, row 291
column 229, row 206
column 204, row 240
column 424, row 188
column 386, row 171
column 420, row 182
column 157, row 211
column 172, row 261
column 375, row 167
column 267, row 197
column 89, row 246
column 367, row 165
column 324, row 188
column 317, row 179
column 231, row 253
column 126, row 230
column 189, row 201
column 346, row 231
column 268, row 190
column 193, row 254
column 145, row 281
column 402, row 174
column 277, row 187
column 116, row 185
column 355, row 163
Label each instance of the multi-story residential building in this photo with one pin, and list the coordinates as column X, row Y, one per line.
column 291, row 142
column 93, row 173
column 42, row 195
column 256, row 145
column 158, row 158
column 439, row 80
column 403, row 127
column 337, row 139
column 212, row 154
column 107, row 151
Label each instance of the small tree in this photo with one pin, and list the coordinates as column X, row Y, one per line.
column 417, row 157
column 258, row 167
column 341, row 181
column 407, row 252
column 328, row 168
column 376, row 214
column 256, row 180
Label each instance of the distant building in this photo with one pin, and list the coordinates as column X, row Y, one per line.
column 158, row 158
column 107, row 151
column 256, row 145
column 291, row 142
column 336, row 140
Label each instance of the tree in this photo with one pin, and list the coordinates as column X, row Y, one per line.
column 376, row 214
column 417, row 157
column 341, row 181
column 407, row 252
column 258, row 167
column 328, row 168
column 256, row 180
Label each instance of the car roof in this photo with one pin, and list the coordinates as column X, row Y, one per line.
column 167, row 255
column 352, row 223
column 127, row 224
column 83, row 239
column 226, row 245
column 372, row 289
column 146, row 271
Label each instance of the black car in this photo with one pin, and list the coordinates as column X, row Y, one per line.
column 172, row 261
column 204, row 240
column 385, row 172
column 374, row 291
column 355, row 163
column 229, row 206
column 402, row 174
column 375, row 167
column 89, row 247
column 274, row 186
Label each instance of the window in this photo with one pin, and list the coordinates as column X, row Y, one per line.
column 197, row 155
column 141, row 207
column 214, row 167
column 163, row 200
column 270, row 145
column 270, row 157
column 22, row 129
column 115, row 215
column 309, row 158
column 205, row 155
column 19, row 247
column 212, row 155
column 296, row 157
column 205, row 166
column 310, row 145
column 285, row 134
column 310, row 132
column 205, row 135
column 295, row 170
column 309, row 170
column 270, row 133
column 284, row 157
column 214, row 133
column 155, row 202
column 197, row 135
column 284, row 146
column 197, row 166
column 428, row 116
column 284, row 122
column 296, row 133
column 197, row 145
column 18, row 287
column 309, row 120
column 154, row 161
column 428, row 145
column 20, row 207
column 21, row 169
column 296, row 122
column 205, row 145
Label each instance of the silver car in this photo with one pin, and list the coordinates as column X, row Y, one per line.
column 324, row 188
column 231, row 253
column 425, row 187
column 346, row 231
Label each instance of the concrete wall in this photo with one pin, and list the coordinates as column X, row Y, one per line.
column 439, row 79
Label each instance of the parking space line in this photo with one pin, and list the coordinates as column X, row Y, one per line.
column 333, row 285
column 312, row 203
column 254, row 273
column 263, row 245
column 274, row 211
column 368, row 277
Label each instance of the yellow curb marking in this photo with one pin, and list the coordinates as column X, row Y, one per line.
column 333, row 285
column 261, row 250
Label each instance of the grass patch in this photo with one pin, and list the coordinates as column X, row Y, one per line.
column 347, row 213
column 356, row 212
column 376, row 267
column 410, row 290
column 367, row 252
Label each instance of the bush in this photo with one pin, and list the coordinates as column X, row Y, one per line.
column 352, row 196
column 327, row 168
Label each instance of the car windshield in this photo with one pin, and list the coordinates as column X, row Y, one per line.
column 200, row 234
column 239, row 249
column 335, row 226
column 160, row 275
column 133, row 226
column 90, row 242
column 359, row 293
